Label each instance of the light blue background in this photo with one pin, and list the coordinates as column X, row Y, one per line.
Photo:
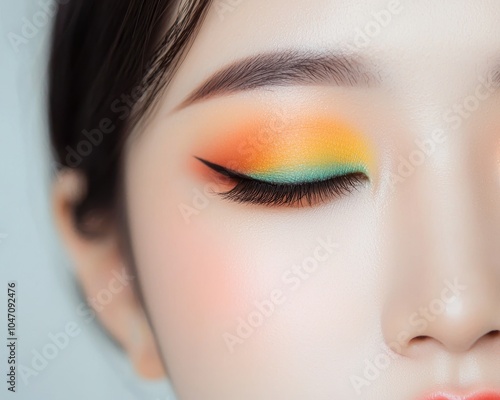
column 30, row 253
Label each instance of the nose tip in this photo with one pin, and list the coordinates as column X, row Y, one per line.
column 456, row 321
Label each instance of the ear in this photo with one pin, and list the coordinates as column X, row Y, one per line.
column 106, row 280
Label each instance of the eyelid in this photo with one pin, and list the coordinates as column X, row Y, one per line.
column 248, row 190
column 229, row 173
column 304, row 148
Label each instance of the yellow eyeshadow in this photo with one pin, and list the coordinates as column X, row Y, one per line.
column 311, row 149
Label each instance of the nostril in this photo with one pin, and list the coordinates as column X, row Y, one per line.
column 494, row 334
column 420, row 338
column 418, row 345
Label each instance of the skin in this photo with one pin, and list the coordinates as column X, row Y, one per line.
column 412, row 281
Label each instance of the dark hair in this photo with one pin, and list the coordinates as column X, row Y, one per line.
column 109, row 61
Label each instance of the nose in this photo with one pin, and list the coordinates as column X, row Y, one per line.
column 455, row 314
column 443, row 284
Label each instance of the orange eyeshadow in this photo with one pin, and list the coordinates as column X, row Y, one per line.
column 306, row 150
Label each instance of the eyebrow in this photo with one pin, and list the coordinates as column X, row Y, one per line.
column 286, row 68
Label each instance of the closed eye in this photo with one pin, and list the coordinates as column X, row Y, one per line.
column 247, row 189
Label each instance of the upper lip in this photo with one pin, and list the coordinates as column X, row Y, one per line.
column 478, row 395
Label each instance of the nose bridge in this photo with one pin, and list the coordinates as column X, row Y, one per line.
column 444, row 281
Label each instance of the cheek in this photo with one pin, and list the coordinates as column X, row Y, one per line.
column 203, row 275
column 201, row 278
column 195, row 280
column 190, row 277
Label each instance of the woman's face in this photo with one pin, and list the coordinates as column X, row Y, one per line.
column 378, row 281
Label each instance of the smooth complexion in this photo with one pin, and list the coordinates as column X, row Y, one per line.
column 314, row 149
column 408, row 302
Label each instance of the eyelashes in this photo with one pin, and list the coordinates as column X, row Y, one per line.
column 253, row 191
column 302, row 194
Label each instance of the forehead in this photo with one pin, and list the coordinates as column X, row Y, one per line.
column 411, row 41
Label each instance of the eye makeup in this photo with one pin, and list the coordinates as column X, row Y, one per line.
column 305, row 163
column 305, row 151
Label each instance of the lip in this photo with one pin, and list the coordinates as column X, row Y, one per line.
column 479, row 395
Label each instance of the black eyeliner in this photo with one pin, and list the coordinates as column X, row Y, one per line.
column 254, row 191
